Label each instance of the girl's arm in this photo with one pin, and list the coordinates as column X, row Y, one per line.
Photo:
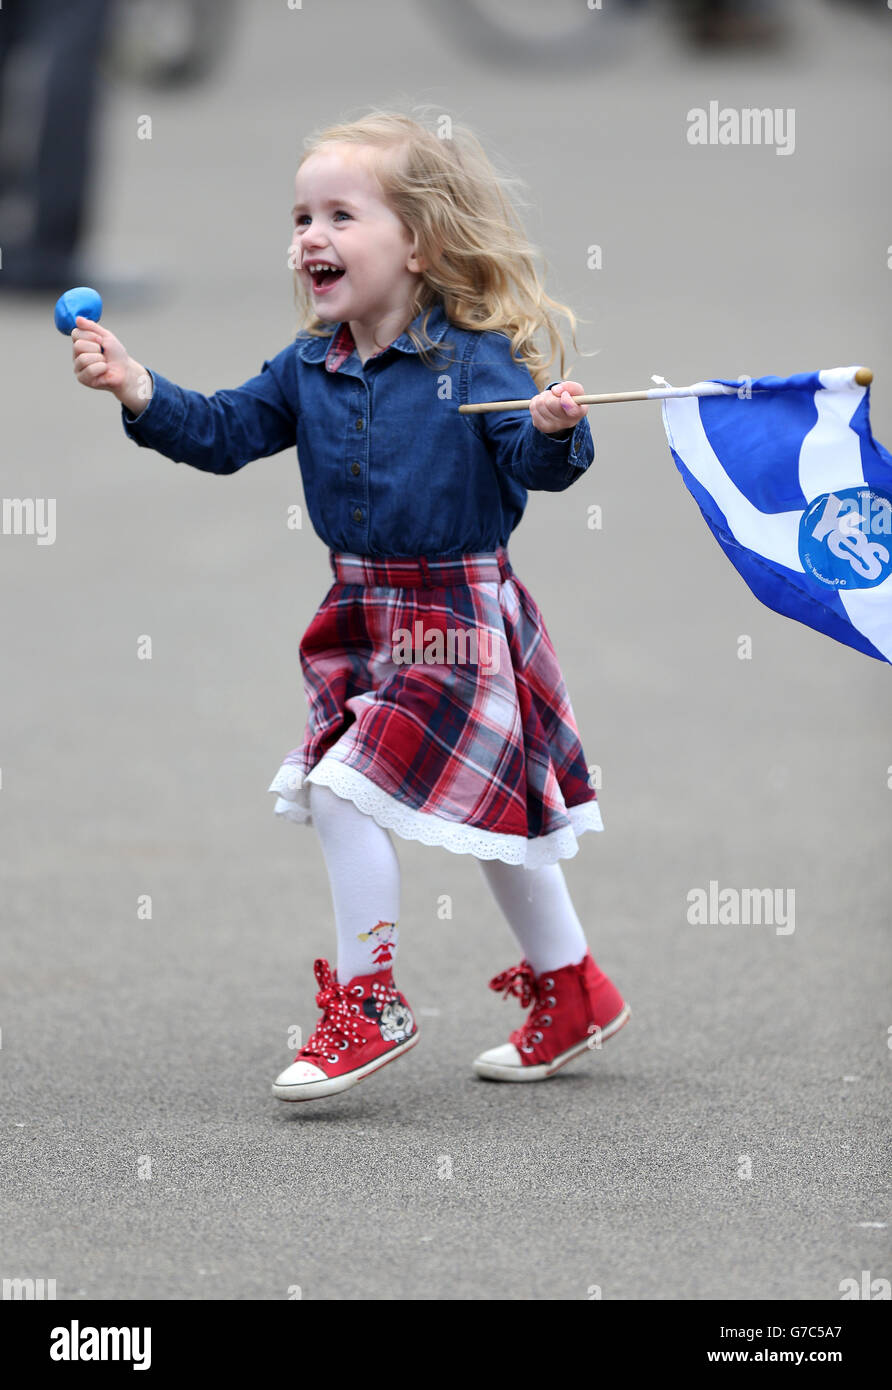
column 218, row 433
column 538, row 461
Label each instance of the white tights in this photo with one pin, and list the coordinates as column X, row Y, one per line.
column 364, row 874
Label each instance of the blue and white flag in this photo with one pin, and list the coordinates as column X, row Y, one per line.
column 798, row 494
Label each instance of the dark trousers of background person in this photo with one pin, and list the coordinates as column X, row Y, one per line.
column 61, row 42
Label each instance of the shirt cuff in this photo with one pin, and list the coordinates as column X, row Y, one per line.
column 570, row 445
column 163, row 413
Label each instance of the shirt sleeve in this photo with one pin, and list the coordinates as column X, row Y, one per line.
column 222, row 432
column 543, row 462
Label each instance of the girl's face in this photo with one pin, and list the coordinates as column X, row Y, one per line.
column 339, row 217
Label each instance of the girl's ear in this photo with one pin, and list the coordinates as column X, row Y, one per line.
column 416, row 260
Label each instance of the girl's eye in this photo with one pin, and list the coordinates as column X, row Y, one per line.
column 302, row 216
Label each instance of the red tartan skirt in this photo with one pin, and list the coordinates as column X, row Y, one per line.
column 437, row 705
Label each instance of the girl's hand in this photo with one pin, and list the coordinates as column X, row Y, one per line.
column 100, row 360
column 554, row 410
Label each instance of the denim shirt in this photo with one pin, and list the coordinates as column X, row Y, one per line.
column 389, row 466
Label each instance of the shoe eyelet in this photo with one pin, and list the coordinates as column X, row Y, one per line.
column 525, row 1049
column 357, row 989
column 545, row 1020
column 334, row 1058
column 548, row 984
column 344, row 1045
column 354, row 1008
column 551, row 1001
column 537, row 1037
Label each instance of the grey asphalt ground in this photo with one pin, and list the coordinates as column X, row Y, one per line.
column 126, row 1039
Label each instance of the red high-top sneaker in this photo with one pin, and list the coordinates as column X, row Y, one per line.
column 575, row 1009
column 364, row 1025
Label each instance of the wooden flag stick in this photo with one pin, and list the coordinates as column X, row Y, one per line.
column 863, row 377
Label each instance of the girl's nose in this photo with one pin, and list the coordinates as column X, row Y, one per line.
column 302, row 245
column 309, row 246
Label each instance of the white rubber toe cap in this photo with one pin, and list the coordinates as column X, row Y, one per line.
column 505, row 1056
column 300, row 1074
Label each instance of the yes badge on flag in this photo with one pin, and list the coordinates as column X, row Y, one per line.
column 798, row 494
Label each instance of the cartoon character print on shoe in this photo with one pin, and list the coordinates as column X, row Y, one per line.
column 386, row 1006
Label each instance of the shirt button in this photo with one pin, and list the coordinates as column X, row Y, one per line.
column 354, row 468
column 357, row 514
column 359, row 422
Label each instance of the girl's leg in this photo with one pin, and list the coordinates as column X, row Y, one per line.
column 540, row 912
column 364, row 874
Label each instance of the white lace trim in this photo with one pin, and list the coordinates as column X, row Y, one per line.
column 293, row 804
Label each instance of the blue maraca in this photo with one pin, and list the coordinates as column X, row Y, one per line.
column 81, row 301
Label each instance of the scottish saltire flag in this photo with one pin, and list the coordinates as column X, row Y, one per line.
column 798, row 494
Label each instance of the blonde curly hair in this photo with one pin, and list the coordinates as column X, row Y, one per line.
column 477, row 258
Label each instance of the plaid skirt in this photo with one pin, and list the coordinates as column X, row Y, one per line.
column 437, row 705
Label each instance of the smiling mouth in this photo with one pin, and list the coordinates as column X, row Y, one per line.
column 324, row 278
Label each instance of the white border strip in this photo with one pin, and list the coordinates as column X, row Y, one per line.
column 409, row 824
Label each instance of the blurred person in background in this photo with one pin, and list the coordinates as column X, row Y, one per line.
column 54, row 56
column 572, row 36
column 733, row 23
column 49, row 57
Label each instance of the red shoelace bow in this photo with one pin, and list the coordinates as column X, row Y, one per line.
column 520, row 981
column 341, row 1011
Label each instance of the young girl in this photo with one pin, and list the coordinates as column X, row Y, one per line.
column 437, row 704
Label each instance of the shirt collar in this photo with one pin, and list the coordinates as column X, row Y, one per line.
column 315, row 349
